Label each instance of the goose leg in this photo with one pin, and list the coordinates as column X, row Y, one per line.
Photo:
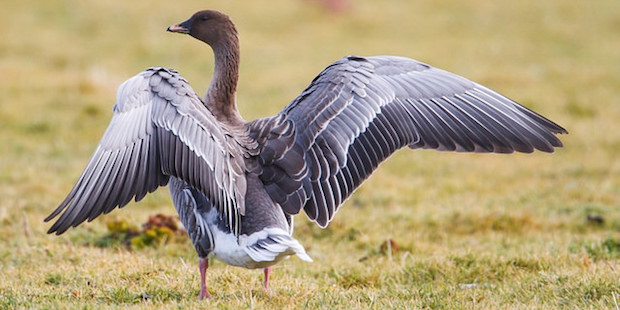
column 267, row 273
column 203, row 264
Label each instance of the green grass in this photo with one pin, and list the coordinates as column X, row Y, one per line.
column 472, row 231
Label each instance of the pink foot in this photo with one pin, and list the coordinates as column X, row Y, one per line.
column 267, row 273
column 203, row 264
column 204, row 294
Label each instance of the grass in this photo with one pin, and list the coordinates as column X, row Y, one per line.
column 470, row 231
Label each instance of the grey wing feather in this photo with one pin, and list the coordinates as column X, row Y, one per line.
column 281, row 161
column 159, row 129
column 358, row 111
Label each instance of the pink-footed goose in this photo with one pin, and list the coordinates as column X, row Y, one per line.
column 236, row 185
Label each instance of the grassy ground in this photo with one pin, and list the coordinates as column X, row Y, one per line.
column 473, row 231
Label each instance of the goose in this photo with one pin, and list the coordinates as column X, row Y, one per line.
column 236, row 185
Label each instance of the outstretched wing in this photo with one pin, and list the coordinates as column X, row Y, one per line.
column 358, row 111
column 160, row 128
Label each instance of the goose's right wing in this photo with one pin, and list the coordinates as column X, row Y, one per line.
column 160, row 128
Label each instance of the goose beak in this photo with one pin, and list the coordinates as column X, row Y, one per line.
column 180, row 28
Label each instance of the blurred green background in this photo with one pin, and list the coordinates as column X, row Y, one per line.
column 514, row 228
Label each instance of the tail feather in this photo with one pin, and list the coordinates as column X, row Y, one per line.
column 276, row 246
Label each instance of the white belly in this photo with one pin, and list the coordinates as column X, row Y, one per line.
column 228, row 249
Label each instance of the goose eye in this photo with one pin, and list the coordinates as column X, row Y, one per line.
column 203, row 18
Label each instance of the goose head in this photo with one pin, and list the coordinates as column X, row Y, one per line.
column 211, row 27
